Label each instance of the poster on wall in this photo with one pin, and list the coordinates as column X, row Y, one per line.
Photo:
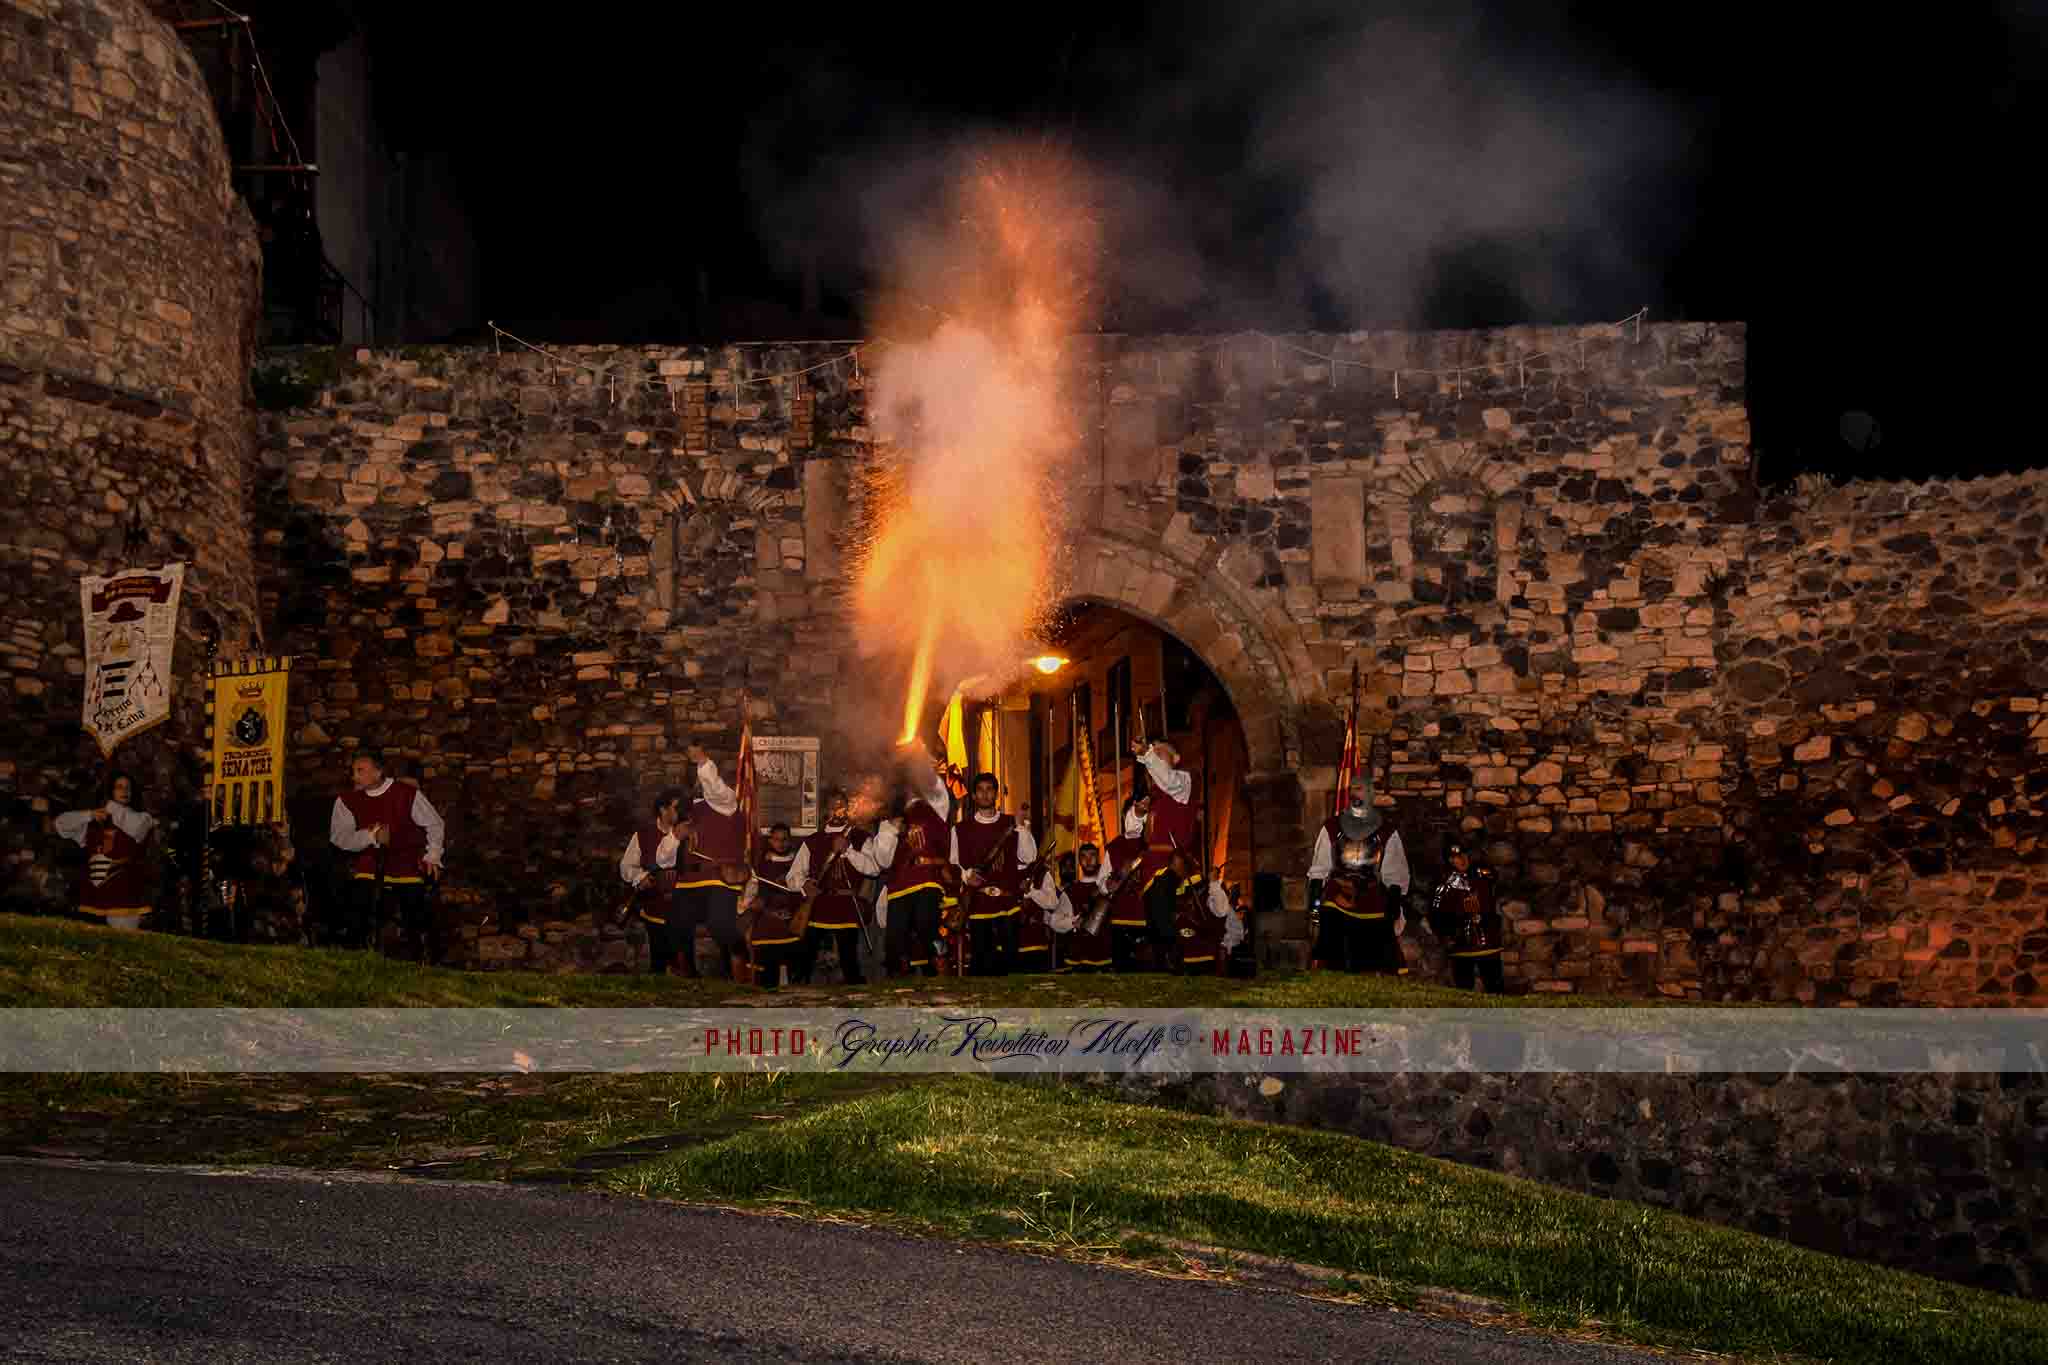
column 131, row 628
column 786, row 771
column 247, row 717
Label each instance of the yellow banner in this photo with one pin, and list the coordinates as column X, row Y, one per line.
column 1091, row 829
column 246, row 716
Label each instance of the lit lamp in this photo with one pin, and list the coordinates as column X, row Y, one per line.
column 1047, row 663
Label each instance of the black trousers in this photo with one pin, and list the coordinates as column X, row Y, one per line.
column 913, row 924
column 716, row 910
column 1159, row 922
column 988, row 941
column 419, row 928
column 845, row 942
column 1124, row 941
column 769, row 959
column 1486, row 969
column 1362, row 945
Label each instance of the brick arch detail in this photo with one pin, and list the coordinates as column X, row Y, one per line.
column 1450, row 464
column 1256, row 652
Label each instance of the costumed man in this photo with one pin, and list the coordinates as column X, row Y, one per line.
column 992, row 851
column 649, row 866
column 711, row 868
column 397, row 838
column 1464, row 914
column 768, row 906
column 1084, row 880
column 1124, row 864
column 909, row 851
column 834, row 886
column 114, row 886
column 1169, row 829
column 1207, row 923
column 1045, row 902
column 1357, row 879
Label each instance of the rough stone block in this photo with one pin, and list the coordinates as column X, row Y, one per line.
column 1337, row 531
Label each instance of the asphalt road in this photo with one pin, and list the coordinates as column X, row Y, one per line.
column 113, row 1263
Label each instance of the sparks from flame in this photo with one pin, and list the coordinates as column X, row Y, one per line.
column 975, row 419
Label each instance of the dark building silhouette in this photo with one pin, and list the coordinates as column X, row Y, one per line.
column 365, row 241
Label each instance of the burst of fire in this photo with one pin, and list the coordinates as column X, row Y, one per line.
column 964, row 513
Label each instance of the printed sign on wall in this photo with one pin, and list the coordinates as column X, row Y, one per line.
column 131, row 628
column 786, row 766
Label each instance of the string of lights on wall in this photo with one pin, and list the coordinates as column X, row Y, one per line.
column 274, row 115
column 1520, row 364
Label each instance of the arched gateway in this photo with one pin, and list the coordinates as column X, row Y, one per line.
column 1255, row 651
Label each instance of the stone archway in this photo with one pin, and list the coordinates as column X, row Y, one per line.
column 1255, row 651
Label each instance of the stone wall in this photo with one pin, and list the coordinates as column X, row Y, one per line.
column 1935, row 1174
column 1716, row 744
column 125, row 439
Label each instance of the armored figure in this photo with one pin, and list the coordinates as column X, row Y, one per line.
column 1464, row 915
column 1358, row 878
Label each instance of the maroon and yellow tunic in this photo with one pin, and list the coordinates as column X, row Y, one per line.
column 392, row 809
column 774, row 913
column 720, row 843
column 922, row 849
column 1169, row 826
column 837, row 905
column 654, row 893
column 998, row 894
column 1127, row 911
column 115, row 879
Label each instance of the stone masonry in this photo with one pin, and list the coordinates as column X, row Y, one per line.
column 1923, row 1173
column 1716, row 744
column 125, row 434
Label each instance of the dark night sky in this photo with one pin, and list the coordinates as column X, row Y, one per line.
column 1843, row 178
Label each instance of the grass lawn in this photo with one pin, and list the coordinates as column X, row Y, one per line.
column 55, row 963
column 1066, row 1171
column 1062, row 1171
column 558, row 1127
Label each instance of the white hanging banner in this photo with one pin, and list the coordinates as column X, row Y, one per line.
column 131, row 628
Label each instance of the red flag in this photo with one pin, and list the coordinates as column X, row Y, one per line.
column 748, row 785
column 1347, row 766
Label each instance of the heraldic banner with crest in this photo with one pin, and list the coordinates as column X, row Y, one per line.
column 131, row 628
column 247, row 716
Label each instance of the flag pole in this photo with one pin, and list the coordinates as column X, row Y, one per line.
column 1116, row 720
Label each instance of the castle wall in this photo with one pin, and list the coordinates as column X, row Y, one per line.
column 1715, row 744
column 125, row 440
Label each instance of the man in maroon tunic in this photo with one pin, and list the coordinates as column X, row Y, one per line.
column 836, row 912
column 649, row 866
column 712, row 869
column 910, row 851
column 1169, row 828
column 992, row 850
column 768, row 906
column 396, row 836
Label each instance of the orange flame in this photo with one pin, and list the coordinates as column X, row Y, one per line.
column 976, row 424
